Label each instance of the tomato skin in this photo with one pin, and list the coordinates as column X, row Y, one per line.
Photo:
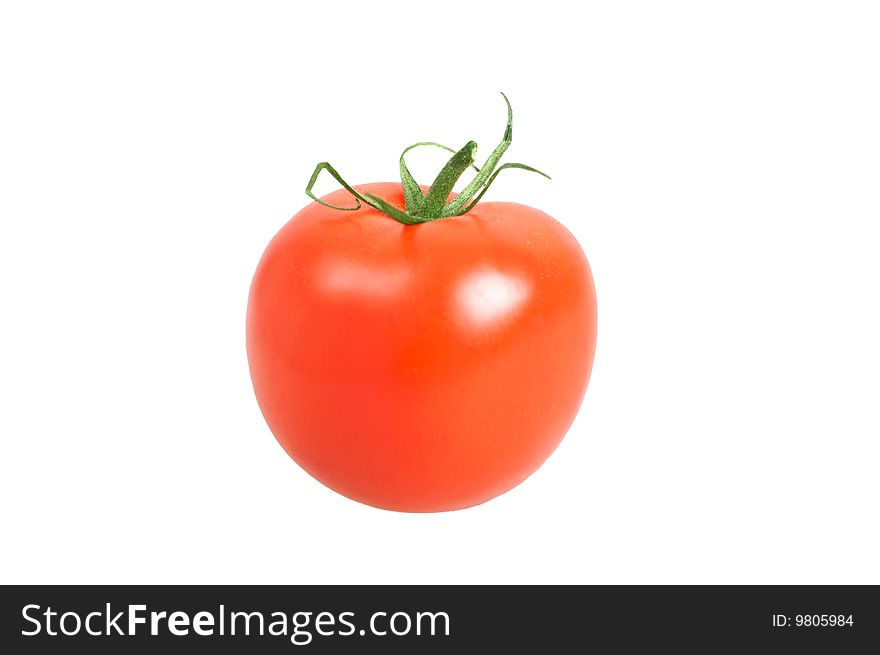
column 421, row 368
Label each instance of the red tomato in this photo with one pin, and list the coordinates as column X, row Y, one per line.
column 421, row 368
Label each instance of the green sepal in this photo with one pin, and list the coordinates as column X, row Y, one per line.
column 425, row 207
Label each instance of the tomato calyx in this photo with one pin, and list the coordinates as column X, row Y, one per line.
column 424, row 207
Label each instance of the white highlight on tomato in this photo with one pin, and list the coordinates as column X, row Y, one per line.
column 369, row 280
column 490, row 296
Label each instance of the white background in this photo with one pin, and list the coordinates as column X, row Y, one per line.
column 719, row 163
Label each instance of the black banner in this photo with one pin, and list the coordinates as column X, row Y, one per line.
column 449, row 619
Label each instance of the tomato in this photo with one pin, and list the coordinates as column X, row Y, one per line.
column 424, row 367
column 420, row 351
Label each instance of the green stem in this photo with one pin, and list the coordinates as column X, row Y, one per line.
column 412, row 192
column 435, row 199
column 430, row 206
